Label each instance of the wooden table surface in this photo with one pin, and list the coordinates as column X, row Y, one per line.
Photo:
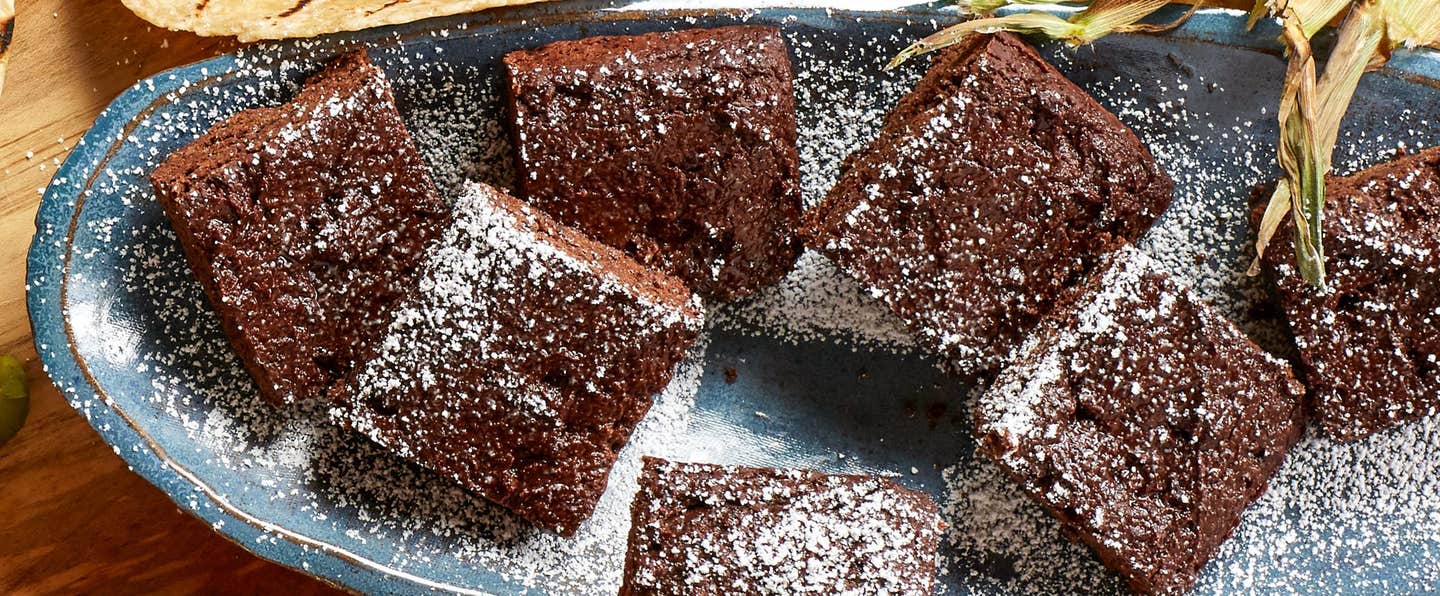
column 73, row 518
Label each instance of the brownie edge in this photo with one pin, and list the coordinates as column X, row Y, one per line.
column 711, row 529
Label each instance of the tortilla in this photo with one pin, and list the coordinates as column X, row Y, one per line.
column 251, row 20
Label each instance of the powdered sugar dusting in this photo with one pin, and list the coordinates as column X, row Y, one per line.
column 817, row 302
column 1001, row 542
column 1359, row 517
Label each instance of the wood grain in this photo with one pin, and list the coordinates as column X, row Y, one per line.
column 73, row 518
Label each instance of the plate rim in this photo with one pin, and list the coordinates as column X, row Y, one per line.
column 65, row 196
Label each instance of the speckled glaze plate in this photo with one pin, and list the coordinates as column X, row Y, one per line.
column 806, row 374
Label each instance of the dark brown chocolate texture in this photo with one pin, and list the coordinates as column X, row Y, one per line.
column 304, row 223
column 990, row 189
column 710, row 529
column 677, row 147
column 522, row 361
column 1368, row 342
column 1142, row 420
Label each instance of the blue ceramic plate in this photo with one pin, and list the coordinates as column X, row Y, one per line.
column 807, row 374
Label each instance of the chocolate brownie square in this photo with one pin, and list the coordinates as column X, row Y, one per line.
column 1143, row 420
column 677, row 147
column 710, row 529
column 522, row 360
column 1367, row 342
column 991, row 188
column 304, row 223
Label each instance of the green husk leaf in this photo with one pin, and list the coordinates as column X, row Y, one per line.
column 1312, row 14
column 1315, row 14
column 988, row 7
column 1355, row 52
column 1031, row 22
column 1199, row 4
column 1412, row 23
column 14, row 397
column 1310, row 115
column 1306, row 172
column 1299, row 73
column 1100, row 18
column 1297, row 153
column 1360, row 40
column 1104, row 17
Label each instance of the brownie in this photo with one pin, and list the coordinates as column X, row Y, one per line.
column 522, row 360
column 1367, row 343
column 710, row 529
column 991, row 188
column 1143, row 420
column 677, row 147
column 304, row 224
